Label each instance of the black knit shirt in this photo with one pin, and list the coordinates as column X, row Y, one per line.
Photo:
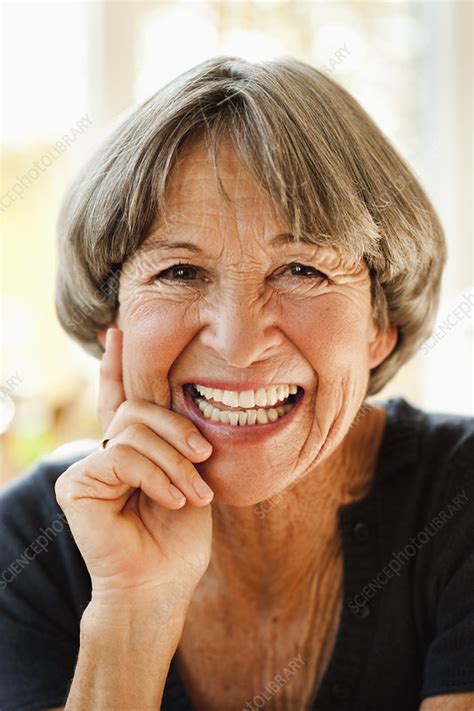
column 406, row 630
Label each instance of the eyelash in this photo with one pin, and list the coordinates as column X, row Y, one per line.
column 159, row 277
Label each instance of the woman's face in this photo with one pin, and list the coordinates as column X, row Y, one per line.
column 239, row 317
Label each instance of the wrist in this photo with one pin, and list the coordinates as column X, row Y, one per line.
column 134, row 613
column 141, row 597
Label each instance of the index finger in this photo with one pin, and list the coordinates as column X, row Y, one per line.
column 111, row 390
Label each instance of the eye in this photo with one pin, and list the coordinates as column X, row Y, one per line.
column 305, row 271
column 182, row 272
column 178, row 272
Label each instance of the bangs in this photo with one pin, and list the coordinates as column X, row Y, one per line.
column 309, row 186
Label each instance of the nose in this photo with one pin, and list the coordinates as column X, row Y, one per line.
column 240, row 331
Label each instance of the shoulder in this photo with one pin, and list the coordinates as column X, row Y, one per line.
column 439, row 427
column 446, row 447
column 430, row 441
column 426, row 472
column 30, row 497
column 449, row 432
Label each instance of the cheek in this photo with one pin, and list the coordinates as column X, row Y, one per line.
column 154, row 336
column 331, row 333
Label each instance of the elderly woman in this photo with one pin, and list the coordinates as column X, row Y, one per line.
column 251, row 259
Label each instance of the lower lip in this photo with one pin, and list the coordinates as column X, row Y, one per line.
column 238, row 433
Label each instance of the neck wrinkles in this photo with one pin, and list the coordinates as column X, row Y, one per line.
column 270, row 558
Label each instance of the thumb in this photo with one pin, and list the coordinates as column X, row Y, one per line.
column 111, row 390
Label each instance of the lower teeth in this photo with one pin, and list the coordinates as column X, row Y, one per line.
column 242, row 417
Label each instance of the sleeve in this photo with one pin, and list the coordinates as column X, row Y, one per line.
column 41, row 578
column 449, row 662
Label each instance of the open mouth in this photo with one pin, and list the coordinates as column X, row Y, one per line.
column 237, row 416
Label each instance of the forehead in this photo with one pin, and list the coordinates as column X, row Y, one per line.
column 193, row 187
column 195, row 207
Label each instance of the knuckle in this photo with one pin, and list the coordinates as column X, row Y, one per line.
column 117, row 452
column 182, row 424
column 128, row 409
column 177, row 419
column 59, row 488
column 124, row 408
column 106, row 366
column 62, row 488
column 137, row 430
column 179, row 462
column 74, row 483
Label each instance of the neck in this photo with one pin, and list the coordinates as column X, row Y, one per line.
column 264, row 552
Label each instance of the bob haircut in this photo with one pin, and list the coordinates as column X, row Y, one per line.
column 329, row 170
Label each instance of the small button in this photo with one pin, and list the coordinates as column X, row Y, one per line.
column 341, row 690
column 360, row 531
column 360, row 612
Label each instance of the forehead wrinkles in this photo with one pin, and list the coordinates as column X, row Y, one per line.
column 199, row 180
column 194, row 200
column 194, row 177
column 206, row 202
column 195, row 162
column 235, row 231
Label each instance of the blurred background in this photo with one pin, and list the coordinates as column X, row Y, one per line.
column 70, row 69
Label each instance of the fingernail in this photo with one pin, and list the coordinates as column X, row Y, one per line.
column 198, row 443
column 177, row 494
column 201, row 488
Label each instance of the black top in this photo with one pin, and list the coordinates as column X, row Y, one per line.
column 407, row 623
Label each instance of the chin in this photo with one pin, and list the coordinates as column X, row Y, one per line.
column 238, row 486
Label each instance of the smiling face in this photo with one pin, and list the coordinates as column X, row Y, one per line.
column 250, row 308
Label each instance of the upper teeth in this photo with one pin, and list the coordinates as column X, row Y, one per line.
column 248, row 398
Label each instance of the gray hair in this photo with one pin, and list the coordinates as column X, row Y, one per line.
column 328, row 168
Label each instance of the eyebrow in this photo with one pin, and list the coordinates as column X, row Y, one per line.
column 163, row 243
column 157, row 242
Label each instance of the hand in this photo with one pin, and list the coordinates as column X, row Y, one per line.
column 135, row 535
